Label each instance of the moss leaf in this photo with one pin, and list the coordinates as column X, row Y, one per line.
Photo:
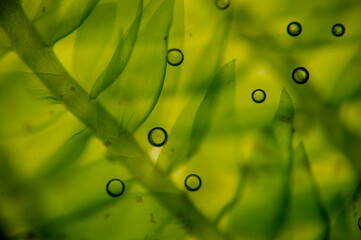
column 120, row 58
column 134, row 94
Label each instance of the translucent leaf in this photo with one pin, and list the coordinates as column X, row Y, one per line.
column 134, row 94
column 92, row 45
column 196, row 117
column 24, row 106
column 305, row 194
column 58, row 18
column 268, row 178
column 120, row 58
column 66, row 155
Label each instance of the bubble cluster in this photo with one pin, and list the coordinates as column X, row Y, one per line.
column 175, row 57
column 193, row 182
column 115, row 187
column 157, row 136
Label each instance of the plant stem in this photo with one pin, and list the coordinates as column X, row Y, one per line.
column 41, row 59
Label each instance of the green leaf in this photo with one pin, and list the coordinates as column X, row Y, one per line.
column 134, row 94
column 269, row 174
column 305, row 194
column 120, row 58
column 93, row 43
column 30, row 112
column 196, row 117
column 58, row 18
column 66, row 155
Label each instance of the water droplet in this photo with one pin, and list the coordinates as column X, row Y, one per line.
column 115, row 187
column 175, row 57
column 294, row 29
column 222, row 4
column 338, row 30
column 192, row 182
column 300, row 75
column 258, row 96
column 359, row 223
column 157, row 136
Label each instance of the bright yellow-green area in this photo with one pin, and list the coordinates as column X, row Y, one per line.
column 257, row 179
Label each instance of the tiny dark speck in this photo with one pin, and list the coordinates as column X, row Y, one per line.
column 165, row 38
column 285, row 119
column 139, row 199
column 152, row 220
column 107, row 143
column 72, row 88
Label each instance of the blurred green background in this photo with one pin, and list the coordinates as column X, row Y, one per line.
column 263, row 177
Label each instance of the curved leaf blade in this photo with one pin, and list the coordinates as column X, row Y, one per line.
column 134, row 94
column 120, row 58
column 197, row 115
column 67, row 154
column 57, row 19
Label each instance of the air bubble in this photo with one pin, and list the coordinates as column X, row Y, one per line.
column 115, row 187
column 300, row 75
column 193, row 182
column 359, row 223
column 222, row 4
column 175, row 57
column 338, row 30
column 294, row 29
column 258, row 96
column 157, row 136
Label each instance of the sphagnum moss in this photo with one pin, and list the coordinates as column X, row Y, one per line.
column 251, row 186
column 28, row 44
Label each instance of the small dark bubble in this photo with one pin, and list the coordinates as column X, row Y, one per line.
column 338, row 30
column 359, row 223
column 175, row 57
column 258, row 96
column 294, row 29
column 300, row 75
column 193, row 182
column 157, row 136
column 222, row 4
column 115, row 187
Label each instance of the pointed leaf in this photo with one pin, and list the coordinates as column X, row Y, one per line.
column 134, row 94
column 57, row 19
column 196, row 117
column 93, row 43
column 268, row 177
column 66, row 155
column 120, row 58
column 307, row 217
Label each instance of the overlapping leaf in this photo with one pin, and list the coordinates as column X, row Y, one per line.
column 57, row 19
column 134, row 94
column 194, row 122
column 262, row 211
column 120, row 58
